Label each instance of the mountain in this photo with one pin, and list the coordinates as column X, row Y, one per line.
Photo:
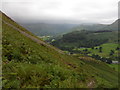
column 42, row 29
column 29, row 62
column 97, row 27
column 113, row 26
column 85, row 38
column 93, row 27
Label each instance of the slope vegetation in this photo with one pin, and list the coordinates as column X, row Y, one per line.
column 84, row 38
column 32, row 63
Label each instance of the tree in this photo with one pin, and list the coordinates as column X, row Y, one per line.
column 96, row 56
column 103, row 59
column 96, row 48
column 111, row 52
column 100, row 49
column 92, row 48
column 117, row 48
column 109, row 61
column 85, row 50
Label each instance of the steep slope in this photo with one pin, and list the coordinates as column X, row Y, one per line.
column 113, row 26
column 29, row 64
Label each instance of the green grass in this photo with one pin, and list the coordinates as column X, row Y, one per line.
column 114, row 66
column 106, row 48
column 105, row 75
column 45, row 38
column 26, row 55
column 27, row 64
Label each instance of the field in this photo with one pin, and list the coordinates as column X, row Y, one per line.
column 45, row 38
column 106, row 48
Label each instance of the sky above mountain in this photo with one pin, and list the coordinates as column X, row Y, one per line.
column 62, row 11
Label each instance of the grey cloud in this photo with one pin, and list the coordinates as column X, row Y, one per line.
column 62, row 11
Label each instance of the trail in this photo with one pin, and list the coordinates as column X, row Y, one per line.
column 39, row 42
column 34, row 38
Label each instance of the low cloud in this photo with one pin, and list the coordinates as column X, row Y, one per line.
column 68, row 11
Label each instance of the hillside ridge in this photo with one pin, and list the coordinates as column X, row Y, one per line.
column 33, row 38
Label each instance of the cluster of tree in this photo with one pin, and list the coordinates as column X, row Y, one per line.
column 97, row 57
column 102, row 31
column 100, row 49
column 103, row 59
column 71, row 50
column 85, row 51
column 81, row 39
column 91, row 42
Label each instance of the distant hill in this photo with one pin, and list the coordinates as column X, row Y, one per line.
column 86, row 38
column 42, row 29
column 113, row 26
column 93, row 27
column 96, row 27
column 29, row 62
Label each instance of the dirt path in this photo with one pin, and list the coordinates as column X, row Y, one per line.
column 34, row 38
column 40, row 42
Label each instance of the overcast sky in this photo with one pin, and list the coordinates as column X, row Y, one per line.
column 64, row 11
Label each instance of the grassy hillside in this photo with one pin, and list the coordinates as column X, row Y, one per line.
column 27, row 64
column 87, row 39
column 115, row 66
